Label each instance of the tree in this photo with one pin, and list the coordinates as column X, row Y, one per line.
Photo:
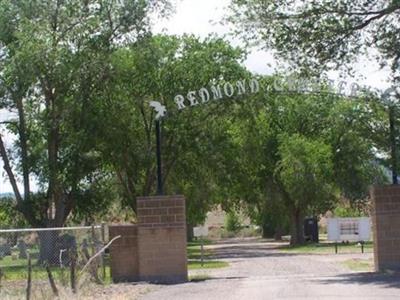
column 193, row 141
column 8, row 218
column 305, row 177
column 298, row 153
column 55, row 57
column 317, row 36
column 324, row 33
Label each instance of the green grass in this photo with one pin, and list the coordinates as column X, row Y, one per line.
column 16, row 269
column 194, row 256
column 194, row 250
column 210, row 264
column 361, row 265
column 325, row 248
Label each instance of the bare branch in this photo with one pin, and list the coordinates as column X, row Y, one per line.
column 99, row 252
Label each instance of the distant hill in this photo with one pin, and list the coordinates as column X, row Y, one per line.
column 6, row 195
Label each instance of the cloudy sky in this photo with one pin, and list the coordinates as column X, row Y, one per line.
column 200, row 17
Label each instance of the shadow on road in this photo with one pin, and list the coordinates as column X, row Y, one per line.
column 258, row 240
column 195, row 280
column 241, row 251
column 368, row 278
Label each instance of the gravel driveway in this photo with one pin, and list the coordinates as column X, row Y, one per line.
column 259, row 270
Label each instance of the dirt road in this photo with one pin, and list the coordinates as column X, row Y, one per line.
column 261, row 271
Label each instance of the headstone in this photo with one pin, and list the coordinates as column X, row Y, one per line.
column 85, row 249
column 22, row 250
column 66, row 243
column 5, row 249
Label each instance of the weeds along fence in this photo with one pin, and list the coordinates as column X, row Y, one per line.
column 46, row 262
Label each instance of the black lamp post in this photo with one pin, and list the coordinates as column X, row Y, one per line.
column 393, row 148
column 158, row 154
column 388, row 94
column 160, row 113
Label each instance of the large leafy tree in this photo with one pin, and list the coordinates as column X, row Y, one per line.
column 55, row 57
column 322, row 35
column 107, row 128
column 297, row 154
column 193, row 140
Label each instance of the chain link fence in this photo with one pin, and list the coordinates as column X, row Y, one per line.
column 43, row 263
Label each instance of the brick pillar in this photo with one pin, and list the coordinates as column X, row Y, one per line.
column 386, row 226
column 124, row 253
column 162, row 239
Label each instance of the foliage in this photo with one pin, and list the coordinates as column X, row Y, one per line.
column 232, row 221
column 295, row 154
column 270, row 214
column 317, row 36
column 156, row 69
column 55, row 61
column 347, row 211
column 324, row 33
column 305, row 172
column 8, row 217
column 80, row 75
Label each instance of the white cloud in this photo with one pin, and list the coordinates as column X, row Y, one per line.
column 202, row 18
column 195, row 17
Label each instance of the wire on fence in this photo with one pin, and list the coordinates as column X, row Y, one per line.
column 56, row 249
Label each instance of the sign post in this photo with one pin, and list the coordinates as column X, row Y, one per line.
column 201, row 232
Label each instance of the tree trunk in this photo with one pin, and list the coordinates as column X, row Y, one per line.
column 23, row 138
column 267, row 230
column 189, row 232
column 296, row 231
column 10, row 174
column 278, row 233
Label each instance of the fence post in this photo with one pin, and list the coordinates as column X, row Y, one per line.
column 103, row 240
column 93, row 241
column 1, row 276
column 94, row 267
column 29, row 285
column 51, row 280
column 73, row 257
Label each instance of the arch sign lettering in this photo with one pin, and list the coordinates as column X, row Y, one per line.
column 252, row 86
column 205, row 95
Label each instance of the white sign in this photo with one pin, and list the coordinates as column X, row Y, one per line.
column 200, row 231
column 349, row 229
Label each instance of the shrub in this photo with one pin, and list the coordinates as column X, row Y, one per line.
column 232, row 222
